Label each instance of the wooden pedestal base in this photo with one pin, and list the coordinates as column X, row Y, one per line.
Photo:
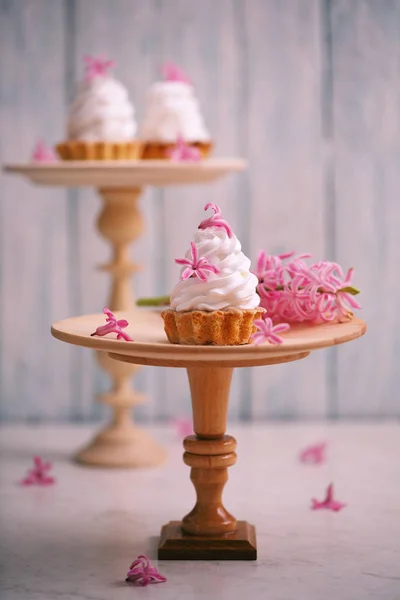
column 177, row 545
column 126, row 447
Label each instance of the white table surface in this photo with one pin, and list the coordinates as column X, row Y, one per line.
column 76, row 539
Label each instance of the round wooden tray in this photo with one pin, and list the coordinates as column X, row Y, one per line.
column 151, row 346
column 127, row 173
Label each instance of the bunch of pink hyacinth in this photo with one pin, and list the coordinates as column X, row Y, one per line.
column 292, row 291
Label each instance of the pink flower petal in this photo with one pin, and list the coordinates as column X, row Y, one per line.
column 328, row 503
column 314, row 454
column 37, row 475
column 142, row 573
column 216, row 220
column 113, row 326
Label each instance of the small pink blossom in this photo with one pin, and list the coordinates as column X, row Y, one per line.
column 182, row 151
column 314, row 454
column 216, row 220
column 292, row 291
column 113, row 326
column 196, row 267
column 97, row 67
column 328, row 503
column 38, row 475
column 183, row 426
column 267, row 331
column 41, row 153
column 142, row 573
column 172, row 72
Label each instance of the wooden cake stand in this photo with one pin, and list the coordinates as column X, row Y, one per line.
column 209, row 531
column 120, row 184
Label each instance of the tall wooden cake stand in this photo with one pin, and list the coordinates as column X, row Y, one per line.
column 120, row 183
column 209, row 531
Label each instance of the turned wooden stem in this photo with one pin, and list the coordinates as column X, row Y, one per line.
column 120, row 222
column 210, row 452
column 120, row 444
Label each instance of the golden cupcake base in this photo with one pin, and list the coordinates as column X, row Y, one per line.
column 232, row 327
column 159, row 150
column 82, row 150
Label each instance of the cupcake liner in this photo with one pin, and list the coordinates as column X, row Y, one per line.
column 82, row 150
column 232, row 327
column 159, row 150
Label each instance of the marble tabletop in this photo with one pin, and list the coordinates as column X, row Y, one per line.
column 76, row 539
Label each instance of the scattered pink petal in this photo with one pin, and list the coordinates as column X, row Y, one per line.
column 38, row 475
column 292, row 291
column 182, row 151
column 268, row 332
column 113, row 326
column 216, row 220
column 42, row 153
column 196, row 267
column 183, row 426
column 314, row 454
column 329, row 503
column 142, row 573
column 97, row 67
column 172, row 72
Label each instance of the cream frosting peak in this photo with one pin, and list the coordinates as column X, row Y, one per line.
column 101, row 111
column 233, row 286
column 172, row 110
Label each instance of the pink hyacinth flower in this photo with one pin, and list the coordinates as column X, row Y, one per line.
column 292, row 291
column 182, row 151
column 142, row 573
column 314, row 454
column 216, row 220
column 113, row 326
column 97, row 67
column 268, row 332
column 196, row 267
column 38, row 475
column 172, row 72
column 41, row 153
column 329, row 503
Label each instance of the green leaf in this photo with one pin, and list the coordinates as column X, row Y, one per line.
column 350, row 290
column 156, row 301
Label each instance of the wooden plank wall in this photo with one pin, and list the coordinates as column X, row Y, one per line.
column 308, row 90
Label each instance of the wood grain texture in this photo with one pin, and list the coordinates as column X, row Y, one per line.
column 366, row 117
column 36, row 375
column 285, row 192
column 307, row 90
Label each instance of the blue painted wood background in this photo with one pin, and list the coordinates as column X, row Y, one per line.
column 308, row 90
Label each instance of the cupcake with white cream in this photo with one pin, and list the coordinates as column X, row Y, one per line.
column 215, row 301
column 172, row 113
column 101, row 120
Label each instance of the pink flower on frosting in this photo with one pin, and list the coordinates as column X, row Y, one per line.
column 113, row 326
column 142, row 573
column 328, row 503
column 314, row 454
column 38, row 475
column 97, row 67
column 268, row 332
column 183, row 151
column 41, row 153
column 196, row 267
column 216, row 220
column 172, row 72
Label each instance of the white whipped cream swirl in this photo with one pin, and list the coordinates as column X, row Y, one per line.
column 233, row 287
column 172, row 110
column 101, row 111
